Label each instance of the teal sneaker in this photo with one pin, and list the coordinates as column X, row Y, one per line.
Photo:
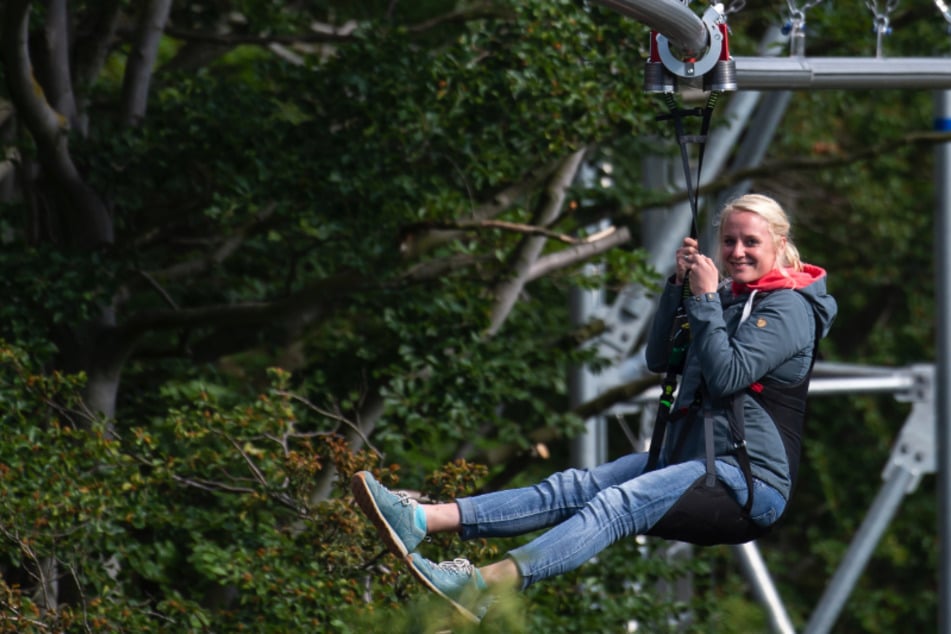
column 456, row 581
column 399, row 520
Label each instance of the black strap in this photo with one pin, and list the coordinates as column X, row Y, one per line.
column 709, row 450
column 677, row 115
column 680, row 329
column 738, row 431
column 660, row 421
column 679, row 341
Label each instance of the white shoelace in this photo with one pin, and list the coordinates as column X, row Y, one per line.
column 457, row 566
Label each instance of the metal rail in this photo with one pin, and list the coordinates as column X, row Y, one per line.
column 676, row 21
column 842, row 73
column 687, row 31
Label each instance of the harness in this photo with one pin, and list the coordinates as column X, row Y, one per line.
column 708, row 513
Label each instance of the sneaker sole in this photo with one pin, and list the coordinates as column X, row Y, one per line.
column 361, row 493
column 464, row 611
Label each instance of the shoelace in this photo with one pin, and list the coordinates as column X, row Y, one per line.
column 457, row 566
column 404, row 497
column 478, row 605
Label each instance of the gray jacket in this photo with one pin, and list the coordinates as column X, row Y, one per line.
column 728, row 353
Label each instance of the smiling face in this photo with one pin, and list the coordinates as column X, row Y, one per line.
column 747, row 248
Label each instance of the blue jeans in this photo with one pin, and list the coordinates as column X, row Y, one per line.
column 590, row 509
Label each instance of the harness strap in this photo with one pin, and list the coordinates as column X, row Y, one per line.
column 657, row 436
column 680, row 329
column 708, row 447
column 678, row 114
column 738, row 431
column 660, row 430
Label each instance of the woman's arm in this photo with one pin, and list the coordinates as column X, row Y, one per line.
column 658, row 339
column 779, row 328
column 686, row 259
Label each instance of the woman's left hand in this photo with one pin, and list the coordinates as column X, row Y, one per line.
column 704, row 277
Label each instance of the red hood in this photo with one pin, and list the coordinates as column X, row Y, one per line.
column 777, row 279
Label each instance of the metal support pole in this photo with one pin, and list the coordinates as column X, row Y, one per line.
column 841, row 73
column 881, row 513
column 590, row 448
column 942, row 249
column 755, row 570
column 913, row 455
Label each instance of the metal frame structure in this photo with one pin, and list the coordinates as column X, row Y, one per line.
column 688, row 32
column 923, row 446
column 912, row 457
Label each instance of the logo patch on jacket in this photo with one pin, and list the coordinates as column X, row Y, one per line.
column 760, row 323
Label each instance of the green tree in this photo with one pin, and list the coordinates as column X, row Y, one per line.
column 197, row 193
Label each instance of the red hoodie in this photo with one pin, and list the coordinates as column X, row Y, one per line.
column 778, row 278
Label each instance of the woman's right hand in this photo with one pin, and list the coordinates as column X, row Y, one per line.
column 685, row 257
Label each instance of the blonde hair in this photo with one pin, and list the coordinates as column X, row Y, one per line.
column 787, row 255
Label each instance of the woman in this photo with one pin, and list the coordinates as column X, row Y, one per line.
column 759, row 327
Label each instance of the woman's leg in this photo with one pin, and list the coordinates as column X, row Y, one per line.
column 628, row 508
column 558, row 497
column 441, row 518
column 768, row 503
column 403, row 523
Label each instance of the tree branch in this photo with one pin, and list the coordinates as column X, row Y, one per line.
column 434, row 269
column 414, row 244
column 506, row 292
column 226, row 249
column 318, row 297
column 478, row 225
column 460, row 16
column 138, row 70
column 578, row 253
column 323, row 34
column 93, row 48
column 617, row 394
column 85, row 214
column 58, row 81
column 355, row 428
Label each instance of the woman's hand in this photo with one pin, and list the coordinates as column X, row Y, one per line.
column 704, row 277
column 684, row 255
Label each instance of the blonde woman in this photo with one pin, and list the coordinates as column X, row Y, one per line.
column 735, row 427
